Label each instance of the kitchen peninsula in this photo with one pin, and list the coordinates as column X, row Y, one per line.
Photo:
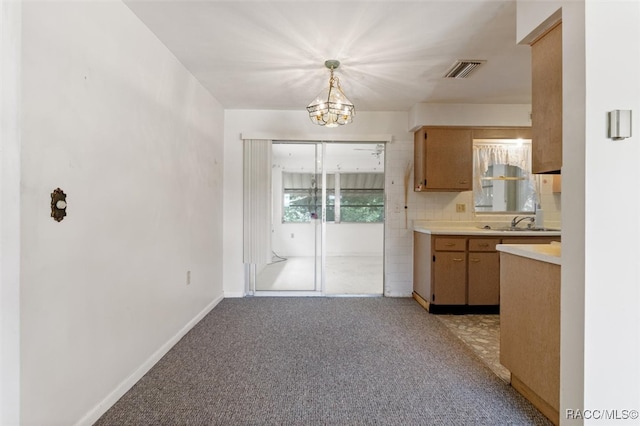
column 530, row 322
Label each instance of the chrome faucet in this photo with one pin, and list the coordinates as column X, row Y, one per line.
column 516, row 220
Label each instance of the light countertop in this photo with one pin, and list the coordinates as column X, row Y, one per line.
column 549, row 253
column 465, row 228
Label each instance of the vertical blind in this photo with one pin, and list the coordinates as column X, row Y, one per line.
column 257, row 202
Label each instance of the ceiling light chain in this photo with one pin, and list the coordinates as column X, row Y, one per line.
column 331, row 107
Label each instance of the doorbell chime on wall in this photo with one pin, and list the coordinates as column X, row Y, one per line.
column 58, row 204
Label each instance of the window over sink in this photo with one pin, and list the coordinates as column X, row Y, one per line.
column 502, row 178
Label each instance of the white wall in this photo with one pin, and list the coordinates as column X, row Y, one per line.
column 612, row 277
column 343, row 239
column 600, row 323
column 114, row 120
column 425, row 114
column 10, row 23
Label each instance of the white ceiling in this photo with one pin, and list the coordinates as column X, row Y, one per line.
column 393, row 53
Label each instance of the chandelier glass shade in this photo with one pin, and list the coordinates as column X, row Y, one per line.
column 331, row 108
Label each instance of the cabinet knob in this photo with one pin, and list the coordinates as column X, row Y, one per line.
column 475, row 260
column 457, row 259
column 449, row 244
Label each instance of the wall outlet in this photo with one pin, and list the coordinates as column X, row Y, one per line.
column 188, row 277
column 292, row 235
column 461, row 208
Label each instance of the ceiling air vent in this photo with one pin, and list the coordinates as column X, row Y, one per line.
column 462, row 68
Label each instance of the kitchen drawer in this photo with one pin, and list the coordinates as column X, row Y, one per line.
column 483, row 244
column 450, row 244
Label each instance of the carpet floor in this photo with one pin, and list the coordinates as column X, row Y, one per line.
column 321, row 361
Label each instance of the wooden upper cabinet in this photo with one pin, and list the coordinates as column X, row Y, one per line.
column 546, row 108
column 419, row 174
column 443, row 159
column 502, row 133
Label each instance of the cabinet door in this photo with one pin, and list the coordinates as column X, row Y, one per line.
column 448, row 159
column 419, row 176
column 422, row 264
column 546, row 102
column 449, row 278
column 484, row 278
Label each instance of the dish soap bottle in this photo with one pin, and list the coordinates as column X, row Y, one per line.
column 539, row 220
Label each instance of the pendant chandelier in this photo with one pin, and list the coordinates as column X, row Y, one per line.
column 331, row 107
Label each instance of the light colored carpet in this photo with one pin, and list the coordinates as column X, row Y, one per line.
column 321, row 361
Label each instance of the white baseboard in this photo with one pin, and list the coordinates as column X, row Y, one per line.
column 233, row 294
column 397, row 294
column 285, row 293
column 94, row 414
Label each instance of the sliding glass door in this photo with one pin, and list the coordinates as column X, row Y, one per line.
column 355, row 219
column 296, row 187
column 327, row 219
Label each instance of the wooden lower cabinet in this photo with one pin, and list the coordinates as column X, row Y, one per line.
column 422, row 266
column 449, row 278
column 483, row 286
column 460, row 274
column 484, row 279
